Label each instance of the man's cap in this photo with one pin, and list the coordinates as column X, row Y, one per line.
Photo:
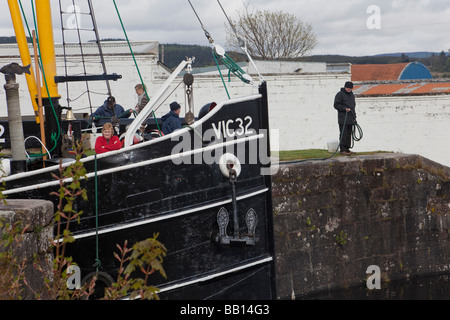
column 349, row 85
column 174, row 106
column 110, row 101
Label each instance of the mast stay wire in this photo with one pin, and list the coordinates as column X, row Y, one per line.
column 219, row 54
column 54, row 135
column 241, row 42
column 207, row 34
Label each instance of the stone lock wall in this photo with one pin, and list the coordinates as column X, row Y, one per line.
column 38, row 216
column 335, row 218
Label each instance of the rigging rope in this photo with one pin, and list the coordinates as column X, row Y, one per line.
column 135, row 62
column 227, row 61
column 207, row 34
column 97, row 263
column 54, row 136
column 241, row 42
column 131, row 50
column 221, row 77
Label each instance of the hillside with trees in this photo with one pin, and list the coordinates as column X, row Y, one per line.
column 173, row 54
column 12, row 40
column 437, row 63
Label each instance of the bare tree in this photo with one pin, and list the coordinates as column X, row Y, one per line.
column 271, row 35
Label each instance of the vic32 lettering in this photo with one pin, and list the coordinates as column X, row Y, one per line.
column 225, row 127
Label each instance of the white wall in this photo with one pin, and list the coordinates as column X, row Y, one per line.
column 301, row 108
column 410, row 124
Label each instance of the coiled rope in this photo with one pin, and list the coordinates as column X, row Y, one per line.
column 357, row 135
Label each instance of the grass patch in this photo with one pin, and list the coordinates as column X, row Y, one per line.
column 316, row 154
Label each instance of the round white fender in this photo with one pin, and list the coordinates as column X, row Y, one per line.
column 233, row 161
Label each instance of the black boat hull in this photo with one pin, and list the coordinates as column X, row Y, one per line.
column 175, row 186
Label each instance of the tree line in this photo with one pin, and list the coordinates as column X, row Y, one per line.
column 437, row 64
column 172, row 54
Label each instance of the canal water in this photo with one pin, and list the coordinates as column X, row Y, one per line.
column 435, row 287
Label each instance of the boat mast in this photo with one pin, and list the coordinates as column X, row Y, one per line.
column 47, row 47
column 50, row 96
column 24, row 53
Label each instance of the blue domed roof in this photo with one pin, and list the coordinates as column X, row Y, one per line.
column 415, row 70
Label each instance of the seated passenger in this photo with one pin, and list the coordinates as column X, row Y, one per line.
column 142, row 97
column 109, row 109
column 107, row 141
column 171, row 120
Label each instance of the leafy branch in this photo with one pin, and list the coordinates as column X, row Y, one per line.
column 145, row 257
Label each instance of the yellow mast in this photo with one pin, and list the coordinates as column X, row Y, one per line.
column 47, row 46
column 49, row 89
column 24, row 53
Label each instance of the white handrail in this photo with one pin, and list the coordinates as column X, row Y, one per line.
column 145, row 113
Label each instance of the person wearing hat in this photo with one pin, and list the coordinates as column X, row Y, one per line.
column 171, row 120
column 109, row 109
column 344, row 103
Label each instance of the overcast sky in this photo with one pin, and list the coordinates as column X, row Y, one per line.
column 346, row 27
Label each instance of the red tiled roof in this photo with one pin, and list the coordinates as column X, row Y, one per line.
column 377, row 72
column 401, row 88
column 383, row 89
column 433, row 88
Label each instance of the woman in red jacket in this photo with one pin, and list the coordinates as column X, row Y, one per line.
column 108, row 141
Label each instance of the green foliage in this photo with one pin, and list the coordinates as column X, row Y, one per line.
column 353, row 60
column 341, row 238
column 145, row 257
column 13, row 40
column 315, row 154
column 12, row 268
column 311, row 227
column 439, row 65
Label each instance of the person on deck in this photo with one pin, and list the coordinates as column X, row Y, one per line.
column 107, row 141
column 142, row 97
column 110, row 109
column 344, row 103
column 171, row 120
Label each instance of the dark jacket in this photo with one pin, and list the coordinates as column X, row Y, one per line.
column 171, row 122
column 343, row 100
column 105, row 112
